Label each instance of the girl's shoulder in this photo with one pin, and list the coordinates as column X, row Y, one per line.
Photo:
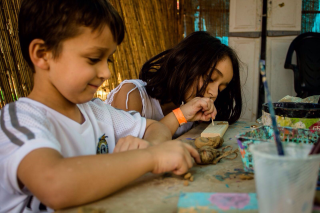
column 126, row 87
column 136, row 82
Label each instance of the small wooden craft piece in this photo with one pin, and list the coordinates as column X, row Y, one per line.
column 246, row 177
column 218, row 129
column 187, row 177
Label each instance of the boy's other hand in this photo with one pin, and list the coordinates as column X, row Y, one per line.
column 130, row 143
column 173, row 156
column 199, row 109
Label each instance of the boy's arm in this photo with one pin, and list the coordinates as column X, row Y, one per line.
column 64, row 182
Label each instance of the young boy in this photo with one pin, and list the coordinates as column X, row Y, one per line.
column 49, row 140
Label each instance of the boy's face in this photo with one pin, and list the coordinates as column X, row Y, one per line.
column 82, row 65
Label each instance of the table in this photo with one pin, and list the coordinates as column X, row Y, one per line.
column 160, row 193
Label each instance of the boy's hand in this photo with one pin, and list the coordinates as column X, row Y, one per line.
column 173, row 156
column 130, row 143
column 199, row 109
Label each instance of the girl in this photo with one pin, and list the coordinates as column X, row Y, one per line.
column 193, row 75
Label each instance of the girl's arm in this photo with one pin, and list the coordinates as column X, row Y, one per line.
column 154, row 134
column 65, row 182
column 155, row 131
column 134, row 102
column 197, row 109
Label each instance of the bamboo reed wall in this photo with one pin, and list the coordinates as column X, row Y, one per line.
column 152, row 26
column 15, row 76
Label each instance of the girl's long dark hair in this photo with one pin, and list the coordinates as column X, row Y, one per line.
column 170, row 74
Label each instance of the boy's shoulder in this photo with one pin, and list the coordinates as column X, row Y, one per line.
column 21, row 114
column 22, row 121
column 105, row 112
column 97, row 106
column 23, row 107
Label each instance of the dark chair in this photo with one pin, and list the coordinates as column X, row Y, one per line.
column 307, row 68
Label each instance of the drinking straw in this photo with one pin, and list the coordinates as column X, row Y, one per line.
column 271, row 110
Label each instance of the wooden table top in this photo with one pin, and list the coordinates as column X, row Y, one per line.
column 160, row 193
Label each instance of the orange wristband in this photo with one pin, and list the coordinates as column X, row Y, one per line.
column 179, row 115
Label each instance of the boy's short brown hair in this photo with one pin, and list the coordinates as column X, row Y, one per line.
column 54, row 21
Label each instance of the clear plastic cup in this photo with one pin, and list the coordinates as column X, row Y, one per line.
column 285, row 183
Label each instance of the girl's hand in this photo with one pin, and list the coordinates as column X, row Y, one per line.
column 199, row 109
column 130, row 143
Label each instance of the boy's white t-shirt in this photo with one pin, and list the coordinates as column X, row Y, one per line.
column 27, row 125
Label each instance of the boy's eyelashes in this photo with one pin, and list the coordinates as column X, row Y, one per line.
column 96, row 60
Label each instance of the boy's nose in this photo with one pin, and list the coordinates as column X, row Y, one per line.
column 104, row 72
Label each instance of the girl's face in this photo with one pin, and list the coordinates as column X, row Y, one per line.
column 220, row 78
